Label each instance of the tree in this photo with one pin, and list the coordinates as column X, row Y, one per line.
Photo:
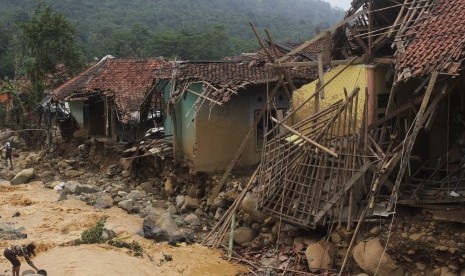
column 50, row 40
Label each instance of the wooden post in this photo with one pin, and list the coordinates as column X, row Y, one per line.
column 410, row 140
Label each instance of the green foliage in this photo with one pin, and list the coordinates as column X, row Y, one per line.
column 50, row 40
column 201, row 29
column 93, row 234
column 133, row 246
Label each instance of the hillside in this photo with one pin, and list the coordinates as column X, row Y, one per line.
column 172, row 28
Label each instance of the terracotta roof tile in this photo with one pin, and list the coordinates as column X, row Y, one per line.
column 231, row 74
column 437, row 43
column 127, row 80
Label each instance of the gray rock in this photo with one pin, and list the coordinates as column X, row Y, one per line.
column 249, row 205
column 190, row 203
column 192, row 220
column 161, row 229
column 319, row 256
column 179, row 201
column 136, row 195
column 368, row 257
column 84, row 189
column 126, row 204
column 147, row 187
column 23, row 176
column 122, row 194
column 243, row 234
column 70, row 187
column 104, row 201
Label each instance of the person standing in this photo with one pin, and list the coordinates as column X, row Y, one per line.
column 16, row 251
column 8, row 152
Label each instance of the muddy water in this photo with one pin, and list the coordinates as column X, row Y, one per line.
column 50, row 223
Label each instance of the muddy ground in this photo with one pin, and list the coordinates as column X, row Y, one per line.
column 419, row 241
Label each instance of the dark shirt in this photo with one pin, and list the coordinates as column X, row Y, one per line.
column 22, row 251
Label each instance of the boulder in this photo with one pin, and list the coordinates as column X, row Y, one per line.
column 70, row 187
column 23, row 176
column 179, row 201
column 4, row 182
column 192, row 220
column 159, row 227
column 104, row 201
column 84, row 189
column 136, row 195
column 368, row 256
column 249, row 205
column 319, row 256
column 190, row 203
column 147, row 187
column 126, row 205
column 243, row 235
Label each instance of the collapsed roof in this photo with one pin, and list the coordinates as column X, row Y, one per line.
column 127, row 81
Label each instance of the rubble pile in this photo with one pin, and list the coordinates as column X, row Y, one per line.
column 173, row 204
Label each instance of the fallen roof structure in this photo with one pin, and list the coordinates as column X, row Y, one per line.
column 422, row 40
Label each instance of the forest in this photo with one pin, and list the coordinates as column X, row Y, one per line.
column 200, row 29
column 37, row 35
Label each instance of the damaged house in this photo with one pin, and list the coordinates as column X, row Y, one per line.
column 382, row 125
column 112, row 99
column 217, row 108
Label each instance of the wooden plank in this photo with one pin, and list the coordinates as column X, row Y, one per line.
column 321, row 35
column 341, row 192
column 410, row 140
column 328, row 151
column 382, row 60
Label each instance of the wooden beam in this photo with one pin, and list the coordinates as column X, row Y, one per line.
column 410, row 140
column 383, row 60
column 359, row 40
column 205, row 97
column 351, row 182
column 322, row 34
column 323, row 148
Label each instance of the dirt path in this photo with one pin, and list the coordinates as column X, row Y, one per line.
column 50, row 223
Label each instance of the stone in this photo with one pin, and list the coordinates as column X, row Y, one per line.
column 249, row 205
column 4, row 182
column 231, row 195
column 416, row 237
column 190, row 203
column 147, row 187
column 336, row 238
column 70, row 187
column 443, row 271
column 420, row 266
column 159, row 227
column 169, row 190
column 84, row 189
column 136, row 195
column 23, row 176
column 192, row 220
column 47, row 174
column 179, row 201
column 73, row 173
column 126, row 205
column 368, row 257
column 243, row 235
column 319, row 256
column 104, row 201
